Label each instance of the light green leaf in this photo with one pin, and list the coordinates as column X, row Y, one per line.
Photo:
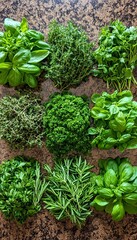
column 38, row 56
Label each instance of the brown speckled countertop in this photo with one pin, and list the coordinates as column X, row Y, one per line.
column 91, row 15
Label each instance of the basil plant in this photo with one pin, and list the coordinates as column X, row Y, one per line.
column 21, row 53
column 116, row 188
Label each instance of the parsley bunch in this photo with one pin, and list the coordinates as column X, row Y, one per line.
column 70, row 61
column 21, row 188
column 115, row 120
column 116, row 56
column 66, row 122
column 21, row 121
column 70, row 190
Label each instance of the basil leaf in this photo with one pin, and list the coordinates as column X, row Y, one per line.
column 118, row 211
column 21, row 57
column 92, row 131
column 113, row 109
column 99, row 201
column 3, row 77
column 130, row 198
column 34, row 35
column 125, row 171
column 43, row 45
column 5, row 66
column 110, row 178
column 14, row 78
column 30, row 80
column 126, row 187
column 130, row 209
column 3, row 56
column 109, row 207
column 24, row 25
column 105, row 193
column 132, row 144
column 29, row 68
column 38, row 56
column 10, row 24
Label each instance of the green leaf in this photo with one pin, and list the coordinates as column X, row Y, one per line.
column 10, row 24
column 34, row 35
column 95, row 97
column 118, row 211
column 14, row 77
column 125, row 100
column 38, row 55
column 125, row 171
column 99, row 201
column 112, row 164
column 29, row 68
column 21, row 57
column 43, row 45
column 130, row 198
column 3, row 56
column 24, row 25
column 109, row 207
column 113, row 109
column 132, row 144
column 126, row 187
column 30, row 80
column 110, row 178
column 92, row 131
column 130, row 209
column 5, row 66
column 105, row 193
column 3, row 77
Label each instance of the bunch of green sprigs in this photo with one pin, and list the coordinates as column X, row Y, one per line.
column 116, row 56
column 66, row 122
column 70, row 61
column 21, row 53
column 21, row 121
column 70, row 190
column 115, row 120
column 116, row 188
column 21, row 188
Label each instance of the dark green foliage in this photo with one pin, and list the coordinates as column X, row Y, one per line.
column 21, row 188
column 116, row 56
column 21, row 51
column 21, row 121
column 116, row 188
column 115, row 120
column 66, row 122
column 70, row 190
column 70, row 61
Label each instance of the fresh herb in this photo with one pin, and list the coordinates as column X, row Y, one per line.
column 21, row 53
column 116, row 188
column 116, row 56
column 70, row 61
column 21, row 121
column 66, row 122
column 70, row 190
column 21, row 188
column 115, row 120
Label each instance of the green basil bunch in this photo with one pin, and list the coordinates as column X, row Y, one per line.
column 116, row 57
column 116, row 188
column 115, row 120
column 21, row 53
column 70, row 190
column 21, row 188
column 66, row 121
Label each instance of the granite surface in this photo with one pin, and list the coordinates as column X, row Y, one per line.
column 91, row 15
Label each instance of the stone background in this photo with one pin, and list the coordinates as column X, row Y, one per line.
column 91, row 15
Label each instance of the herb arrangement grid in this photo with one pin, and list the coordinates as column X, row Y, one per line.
column 68, row 125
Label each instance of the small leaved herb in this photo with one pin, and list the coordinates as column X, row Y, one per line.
column 116, row 56
column 70, row 61
column 21, row 188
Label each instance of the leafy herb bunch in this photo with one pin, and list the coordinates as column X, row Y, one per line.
column 70, row 190
column 115, row 121
column 116, row 56
column 70, row 61
column 21, row 121
column 116, row 188
column 21, row 188
column 66, row 121
column 21, row 53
